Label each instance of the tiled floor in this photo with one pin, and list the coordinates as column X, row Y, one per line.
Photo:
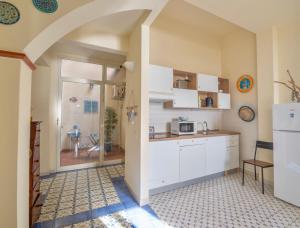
column 223, row 202
column 98, row 197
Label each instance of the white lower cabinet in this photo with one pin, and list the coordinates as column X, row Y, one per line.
column 232, row 152
column 164, row 163
column 176, row 161
column 192, row 161
column 216, row 156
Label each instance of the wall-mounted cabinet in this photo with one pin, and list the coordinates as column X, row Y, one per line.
column 224, row 101
column 207, row 83
column 208, row 100
column 184, row 80
column 223, row 85
column 181, row 89
column 160, row 83
column 183, row 98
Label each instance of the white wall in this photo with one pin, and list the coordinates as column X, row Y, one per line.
column 161, row 118
column 73, row 113
column 238, row 58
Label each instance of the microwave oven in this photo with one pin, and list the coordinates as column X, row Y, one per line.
column 183, row 127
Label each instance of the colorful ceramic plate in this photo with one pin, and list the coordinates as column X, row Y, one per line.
column 9, row 14
column 246, row 113
column 245, row 83
column 46, row 6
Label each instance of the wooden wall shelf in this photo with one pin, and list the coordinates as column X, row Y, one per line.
column 202, row 99
column 223, row 85
column 184, row 75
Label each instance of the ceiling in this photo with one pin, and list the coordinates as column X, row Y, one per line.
column 179, row 10
column 118, row 24
column 253, row 15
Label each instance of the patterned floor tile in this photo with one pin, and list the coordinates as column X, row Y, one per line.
column 224, row 202
column 79, row 191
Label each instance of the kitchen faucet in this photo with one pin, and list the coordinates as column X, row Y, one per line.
column 204, row 127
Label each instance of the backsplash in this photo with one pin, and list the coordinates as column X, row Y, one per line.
column 161, row 118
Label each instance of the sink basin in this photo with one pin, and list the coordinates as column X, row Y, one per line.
column 211, row 132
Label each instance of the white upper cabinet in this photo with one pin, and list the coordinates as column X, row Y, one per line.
column 185, row 98
column 207, row 83
column 160, row 83
column 224, row 101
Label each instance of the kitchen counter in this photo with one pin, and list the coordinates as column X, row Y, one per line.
column 169, row 136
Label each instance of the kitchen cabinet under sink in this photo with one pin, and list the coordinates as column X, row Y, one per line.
column 183, row 160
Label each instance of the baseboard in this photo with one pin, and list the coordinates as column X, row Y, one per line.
column 190, row 182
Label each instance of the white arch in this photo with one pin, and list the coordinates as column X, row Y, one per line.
column 79, row 17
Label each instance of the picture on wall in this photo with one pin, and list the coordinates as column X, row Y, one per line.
column 245, row 83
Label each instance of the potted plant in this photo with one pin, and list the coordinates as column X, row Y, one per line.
column 109, row 127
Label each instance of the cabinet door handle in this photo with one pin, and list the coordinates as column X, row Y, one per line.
column 36, row 160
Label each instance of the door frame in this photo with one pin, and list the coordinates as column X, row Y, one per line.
column 102, row 84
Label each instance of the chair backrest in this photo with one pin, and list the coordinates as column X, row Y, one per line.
column 263, row 145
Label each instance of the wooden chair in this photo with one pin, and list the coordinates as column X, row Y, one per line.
column 261, row 164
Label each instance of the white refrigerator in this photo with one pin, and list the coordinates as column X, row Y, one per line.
column 286, row 138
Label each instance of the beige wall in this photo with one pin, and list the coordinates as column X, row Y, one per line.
column 40, row 99
column 23, row 146
column 137, row 138
column 277, row 50
column 32, row 22
column 133, row 131
column 266, row 68
column 15, row 83
column 238, row 58
column 288, row 58
column 184, row 47
column 101, row 39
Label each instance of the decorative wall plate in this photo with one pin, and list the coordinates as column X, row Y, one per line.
column 246, row 113
column 245, row 83
column 46, row 6
column 9, row 14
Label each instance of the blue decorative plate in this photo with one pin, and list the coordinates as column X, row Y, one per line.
column 46, row 6
column 9, row 14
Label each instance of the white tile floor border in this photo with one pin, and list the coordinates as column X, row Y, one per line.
column 224, row 202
